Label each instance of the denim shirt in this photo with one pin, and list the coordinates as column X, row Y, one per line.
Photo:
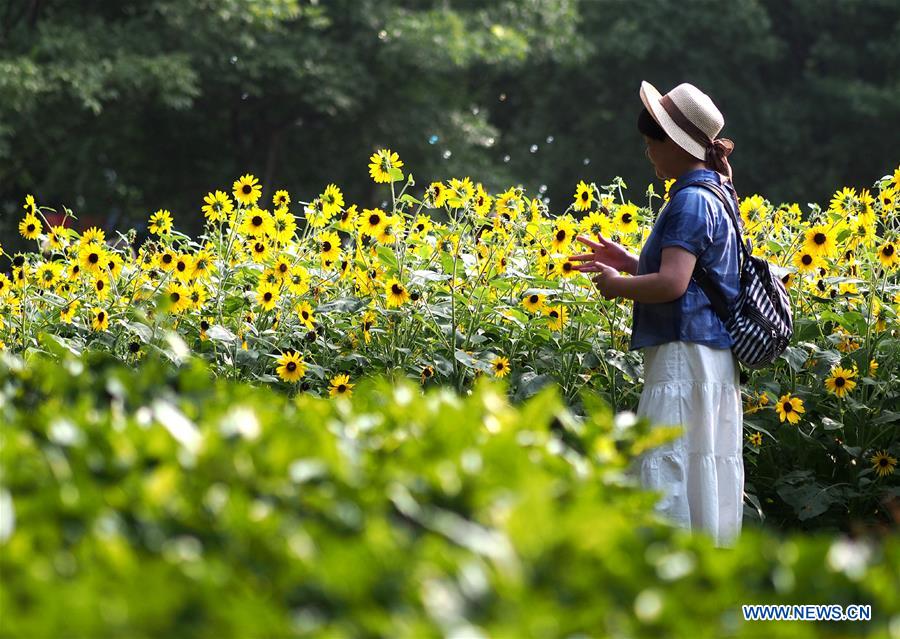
column 696, row 220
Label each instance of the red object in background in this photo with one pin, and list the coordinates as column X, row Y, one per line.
column 84, row 222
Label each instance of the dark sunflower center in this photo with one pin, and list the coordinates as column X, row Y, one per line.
column 93, row 258
column 175, row 297
column 560, row 235
column 626, row 218
column 584, row 195
column 554, row 314
column 396, row 289
column 267, row 297
column 259, row 247
column 247, row 189
column 204, row 325
column 257, row 220
column 806, row 259
column 819, row 238
column 305, row 314
column 181, row 266
column 567, row 266
column 283, row 267
column 420, row 227
column 166, row 258
column 788, row 407
column 326, row 246
column 840, row 381
column 374, row 220
column 341, row 388
column 533, row 299
column 100, row 284
column 31, row 228
column 291, row 366
column 101, row 316
column 888, row 250
column 883, row 462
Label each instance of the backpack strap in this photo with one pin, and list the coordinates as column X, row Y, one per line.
column 700, row 274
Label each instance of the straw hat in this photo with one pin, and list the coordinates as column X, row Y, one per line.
column 693, row 123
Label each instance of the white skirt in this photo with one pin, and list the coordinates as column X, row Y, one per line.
column 701, row 474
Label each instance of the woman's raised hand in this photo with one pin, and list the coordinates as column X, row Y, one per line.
column 605, row 252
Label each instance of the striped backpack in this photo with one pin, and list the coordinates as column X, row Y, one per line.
column 759, row 322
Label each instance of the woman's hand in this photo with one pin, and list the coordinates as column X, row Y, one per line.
column 607, row 281
column 607, row 252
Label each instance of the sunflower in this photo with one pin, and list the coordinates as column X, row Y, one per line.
column 47, row 274
column 267, row 296
column 509, row 204
column 806, row 262
column 197, row 294
column 282, row 268
column 67, row 313
column 217, row 206
column 500, row 366
column 388, row 232
column 563, row 234
column 347, row 218
column 789, row 408
column 291, row 366
column 281, row 198
column 841, row 381
column 91, row 258
column 57, row 238
column 30, row 227
column 298, row 280
column 534, row 303
column 820, row 241
column 887, row 255
column 385, row 166
column 160, row 222
column 257, row 223
column 845, row 201
column 305, row 313
column 584, row 197
column 178, row 297
column 461, row 192
column 329, row 246
column 596, row 224
column 101, row 288
column 93, row 234
column 396, row 293
column 556, row 317
column 483, row 201
column 435, row 195
column 99, row 319
column 332, row 200
column 340, row 385
column 888, row 198
column 203, row 264
column 284, row 225
column 184, row 267
column 427, row 373
column 371, row 221
column 755, row 439
column 626, row 218
column 883, row 463
column 259, row 251
column 166, row 259
column 861, row 234
column 421, row 227
column 29, row 205
column 247, row 189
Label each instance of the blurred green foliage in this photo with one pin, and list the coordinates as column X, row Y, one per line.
column 159, row 502
column 116, row 108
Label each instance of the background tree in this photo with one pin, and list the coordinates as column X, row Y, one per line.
column 116, row 108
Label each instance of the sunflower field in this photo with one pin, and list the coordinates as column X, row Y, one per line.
column 447, row 283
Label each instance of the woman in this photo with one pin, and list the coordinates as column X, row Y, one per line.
column 691, row 377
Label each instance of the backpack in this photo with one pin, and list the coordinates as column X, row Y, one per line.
column 760, row 322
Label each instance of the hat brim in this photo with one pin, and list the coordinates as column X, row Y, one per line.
column 650, row 97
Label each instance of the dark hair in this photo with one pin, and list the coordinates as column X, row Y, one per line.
column 650, row 127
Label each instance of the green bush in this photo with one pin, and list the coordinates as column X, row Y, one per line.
column 159, row 502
